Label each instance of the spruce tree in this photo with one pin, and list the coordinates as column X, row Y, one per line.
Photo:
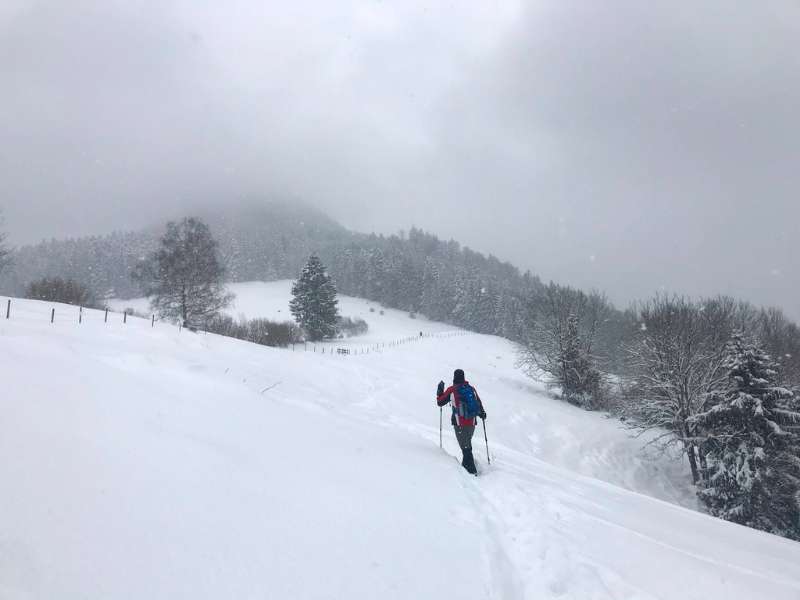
column 313, row 303
column 749, row 445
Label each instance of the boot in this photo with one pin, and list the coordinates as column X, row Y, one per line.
column 468, row 462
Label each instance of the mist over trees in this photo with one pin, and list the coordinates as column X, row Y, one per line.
column 255, row 244
column 5, row 252
column 184, row 278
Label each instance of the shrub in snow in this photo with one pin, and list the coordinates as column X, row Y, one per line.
column 57, row 289
column 352, row 326
column 258, row 331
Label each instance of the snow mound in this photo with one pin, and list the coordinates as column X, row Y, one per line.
column 140, row 462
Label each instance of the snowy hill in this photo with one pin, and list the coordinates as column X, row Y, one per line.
column 142, row 462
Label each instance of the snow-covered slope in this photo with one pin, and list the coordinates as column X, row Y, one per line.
column 141, row 462
column 257, row 299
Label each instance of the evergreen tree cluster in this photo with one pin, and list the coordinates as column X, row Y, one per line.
column 441, row 280
column 101, row 264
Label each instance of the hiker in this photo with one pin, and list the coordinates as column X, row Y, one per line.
column 467, row 406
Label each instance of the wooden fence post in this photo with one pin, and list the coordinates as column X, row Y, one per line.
column 80, row 314
column 105, row 318
column 125, row 316
column 52, row 315
column 8, row 309
column 153, row 321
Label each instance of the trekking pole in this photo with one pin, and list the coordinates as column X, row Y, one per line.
column 440, row 427
column 486, row 439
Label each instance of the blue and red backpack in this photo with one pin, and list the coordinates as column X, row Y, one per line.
column 468, row 406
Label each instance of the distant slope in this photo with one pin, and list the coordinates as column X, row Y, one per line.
column 257, row 242
column 152, row 463
column 415, row 272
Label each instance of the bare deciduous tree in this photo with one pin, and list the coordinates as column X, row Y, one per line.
column 562, row 328
column 184, row 277
column 674, row 362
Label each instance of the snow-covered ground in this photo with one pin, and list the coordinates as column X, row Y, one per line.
column 257, row 299
column 141, row 462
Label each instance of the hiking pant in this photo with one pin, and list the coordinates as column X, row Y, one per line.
column 464, row 437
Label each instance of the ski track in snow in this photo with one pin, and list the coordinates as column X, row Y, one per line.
column 165, row 465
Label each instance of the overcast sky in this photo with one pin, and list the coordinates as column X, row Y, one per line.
column 630, row 146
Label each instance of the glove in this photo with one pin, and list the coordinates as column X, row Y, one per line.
column 482, row 415
column 440, row 389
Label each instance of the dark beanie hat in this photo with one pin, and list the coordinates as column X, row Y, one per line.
column 458, row 376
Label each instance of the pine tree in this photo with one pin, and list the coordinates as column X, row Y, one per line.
column 749, row 445
column 313, row 303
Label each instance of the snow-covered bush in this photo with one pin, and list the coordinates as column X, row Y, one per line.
column 350, row 326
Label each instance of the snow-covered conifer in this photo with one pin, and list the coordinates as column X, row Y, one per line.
column 314, row 303
column 752, row 472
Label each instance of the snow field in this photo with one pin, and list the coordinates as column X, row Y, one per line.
column 143, row 462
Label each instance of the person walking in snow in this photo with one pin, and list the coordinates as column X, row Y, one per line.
column 467, row 406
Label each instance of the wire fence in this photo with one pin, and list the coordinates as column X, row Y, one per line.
column 332, row 347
